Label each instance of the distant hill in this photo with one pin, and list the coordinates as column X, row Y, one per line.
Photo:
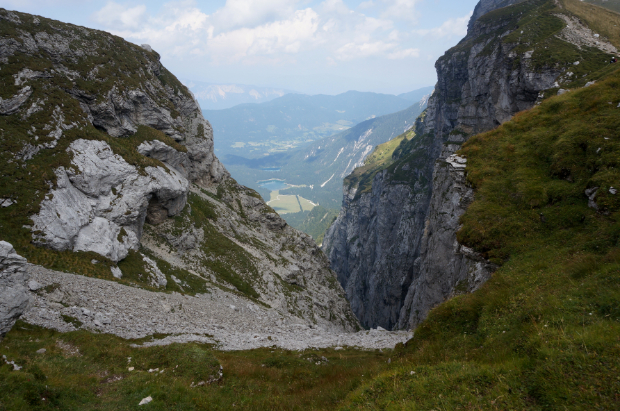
column 294, row 120
column 223, row 96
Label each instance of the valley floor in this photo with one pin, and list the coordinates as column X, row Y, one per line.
column 66, row 302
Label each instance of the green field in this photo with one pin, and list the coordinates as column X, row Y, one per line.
column 286, row 204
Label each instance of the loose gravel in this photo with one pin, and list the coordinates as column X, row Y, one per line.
column 226, row 320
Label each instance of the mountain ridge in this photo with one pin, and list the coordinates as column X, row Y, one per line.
column 403, row 263
column 108, row 172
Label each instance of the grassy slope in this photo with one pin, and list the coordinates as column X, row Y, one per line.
column 378, row 160
column 544, row 332
column 98, row 378
column 314, row 222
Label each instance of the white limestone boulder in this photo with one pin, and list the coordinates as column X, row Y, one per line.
column 100, row 203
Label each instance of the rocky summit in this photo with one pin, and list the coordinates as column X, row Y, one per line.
column 108, row 173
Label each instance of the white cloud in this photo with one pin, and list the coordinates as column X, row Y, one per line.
column 120, row 17
column 451, row 27
column 352, row 51
column 403, row 54
column 284, row 36
column 261, row 32
column 400, row 10
column 251, row 13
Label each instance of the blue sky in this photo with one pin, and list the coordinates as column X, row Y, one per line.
column 310, row 46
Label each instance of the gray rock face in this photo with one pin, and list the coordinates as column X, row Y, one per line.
column 485, row 6
column 101, row 203
column 14, row 293
column 13, row 104
column 373, row 245
column 405, row 258
column 444, row 268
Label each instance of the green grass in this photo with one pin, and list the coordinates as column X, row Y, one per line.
column 380, row 158
column 85, row 371
column 314, row 222
column 544, row 332
column 97, row 378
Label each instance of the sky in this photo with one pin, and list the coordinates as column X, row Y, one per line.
column 308, row 46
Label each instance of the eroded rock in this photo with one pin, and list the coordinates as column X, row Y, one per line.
column 101, row 202
column 14, row 294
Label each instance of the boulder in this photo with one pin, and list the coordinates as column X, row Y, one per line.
column 14, row 294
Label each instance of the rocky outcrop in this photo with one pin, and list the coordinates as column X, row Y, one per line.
column 11, row 105
column 14, row 293
column 101, row 203
column 482, row 83
column 485, row 6
column 111, row 155
column 444, row 268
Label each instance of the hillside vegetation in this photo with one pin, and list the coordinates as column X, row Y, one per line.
column 90, row 371
column 544, row 332
column 314, row 222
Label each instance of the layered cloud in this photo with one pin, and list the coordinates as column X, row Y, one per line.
column 267, row 31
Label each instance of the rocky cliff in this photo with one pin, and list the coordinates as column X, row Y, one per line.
column 108, row 171
column 394, row 243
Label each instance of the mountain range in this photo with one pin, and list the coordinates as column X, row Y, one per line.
column 294, row 120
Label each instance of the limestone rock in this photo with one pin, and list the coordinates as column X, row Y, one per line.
column 13, row 104
column 167, row 155
column 103, row 196
column 14, row 293
column 100, row 204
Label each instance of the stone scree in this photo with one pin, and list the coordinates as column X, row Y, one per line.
column 226, row 320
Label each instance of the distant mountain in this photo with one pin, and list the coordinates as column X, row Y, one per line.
column 417, row 95
column 294, row 120
column 223, row 96
column 322, row 165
